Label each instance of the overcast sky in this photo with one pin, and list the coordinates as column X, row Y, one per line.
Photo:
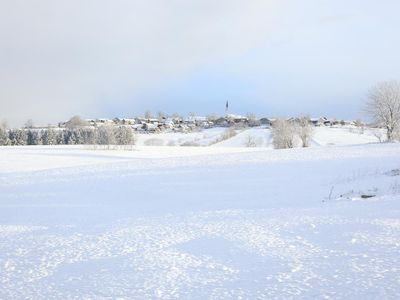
column 107, row 58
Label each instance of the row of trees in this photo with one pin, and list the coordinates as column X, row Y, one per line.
column 103, row 135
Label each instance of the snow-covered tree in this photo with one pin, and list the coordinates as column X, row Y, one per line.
column 32, row 137
column 251, row 141
column 124, row 135
column 4, row 140
column 305, row 130
column 252, row 119
column 75, row 121
column 148, row 114
column 360, row 125
column 161, row 115
column 88, row 136
column 283, row 134
column 70, row 137
column 29, row 124
column 384, row 106
column 105, row 135
column 212, row 117
column 176, row 116
column 17, row 137
column 48, row 137
column 60, row 137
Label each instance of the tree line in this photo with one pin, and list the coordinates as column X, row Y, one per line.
column 102, row 135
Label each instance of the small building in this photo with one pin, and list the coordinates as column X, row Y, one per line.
column 221, row 122
column 237, row 119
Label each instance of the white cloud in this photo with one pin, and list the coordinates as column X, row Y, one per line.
column 60, row 58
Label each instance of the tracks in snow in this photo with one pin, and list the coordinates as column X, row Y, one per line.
column 214, row 255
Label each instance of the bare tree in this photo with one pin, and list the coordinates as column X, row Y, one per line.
column 283, row 134
column 228, row 133
column 4, row 134
column 161, row 115
column 4, row 125
column 378, row 133
column 384, row 106
column 305, row 130
column 176, row 116
column 252, row 119
column 105, row 135
column 124, row 135
column 192, row 116
column 29, row 124
column 360, row 125
column 75, row 121
column 212, row 117
column 148, row 114
column 251, row 141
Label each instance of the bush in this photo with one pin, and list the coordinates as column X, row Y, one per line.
column 154, row 142
column 190, row 144
column 171, row 143
column 251, row 141
column 283, row 134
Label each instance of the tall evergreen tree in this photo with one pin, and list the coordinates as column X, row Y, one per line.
column 33, row 137
column 48, row 137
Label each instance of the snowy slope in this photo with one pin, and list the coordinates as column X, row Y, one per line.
column 342, row 136
column 200, row 223
column 201, row 138
column 259, row 137
column 256, row 137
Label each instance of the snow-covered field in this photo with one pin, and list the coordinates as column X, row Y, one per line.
column 323, row 136
column 201, row 222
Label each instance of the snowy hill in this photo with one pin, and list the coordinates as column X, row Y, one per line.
column 258, row 136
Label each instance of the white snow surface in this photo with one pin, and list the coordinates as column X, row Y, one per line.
column 200, row 223
column 323, row 136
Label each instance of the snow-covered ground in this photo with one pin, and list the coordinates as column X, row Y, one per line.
column 261, row 136
column 201, row 222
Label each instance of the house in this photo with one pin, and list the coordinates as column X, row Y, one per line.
column 347, row 123
column 104, row 121
column 127, row 121
column 266, row 122
column 325, row 121
column 199, row 121
column 168, row 123
column 293, row 120
column 316, row 121
column 221, row 122
column 181, row 128
column 150, row 128
column 237, row 119
column 254, row 122
column 138, row 127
